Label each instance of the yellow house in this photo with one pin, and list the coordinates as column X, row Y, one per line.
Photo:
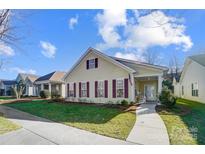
column 99, row 78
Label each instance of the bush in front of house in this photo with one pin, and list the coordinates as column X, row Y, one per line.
column 167, row 98
column 44, row 94
column 55, row 95
column 124, row 103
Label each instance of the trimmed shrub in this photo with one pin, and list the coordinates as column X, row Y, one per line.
column 124, row 103
column 55, row 95
column 167, row 98
column 44, row 94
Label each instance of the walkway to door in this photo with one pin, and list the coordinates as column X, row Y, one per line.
column 149, row 128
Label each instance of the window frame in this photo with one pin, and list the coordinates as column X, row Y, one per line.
column 84, row 89
column 195, row 89
column 120, row 88
column 91, row 65
column 71, row 90
column 102, row 89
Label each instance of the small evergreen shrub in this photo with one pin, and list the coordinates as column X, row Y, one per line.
column 124, row 103
column 167, row 98
column 55, row 95
column 44, row 94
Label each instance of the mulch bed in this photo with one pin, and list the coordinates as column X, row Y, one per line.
column 176, row 110
column 129, row 108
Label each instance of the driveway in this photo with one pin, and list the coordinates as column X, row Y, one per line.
column 149, row 128
column 36, row 130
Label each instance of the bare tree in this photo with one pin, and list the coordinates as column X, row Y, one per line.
column 152, row 57
column 19, row 89
column 174, row 66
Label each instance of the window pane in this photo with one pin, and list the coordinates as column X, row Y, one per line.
column 92, row 63
column 120, row 88
column 100, row 90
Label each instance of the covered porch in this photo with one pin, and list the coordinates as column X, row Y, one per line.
column 52, row 87
column 147, row 88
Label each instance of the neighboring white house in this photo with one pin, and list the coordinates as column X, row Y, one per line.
column 192, row 81
column 99, row 78
column 52, row 82
column 28, row 79
column 6, row 87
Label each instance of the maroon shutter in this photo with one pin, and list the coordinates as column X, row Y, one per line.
column 87, row 64
column 126, row 87
column 106, row 88
column 68, row 89
column 88, row 89
column 74, row 89
column 96, row 89
column 96, row 62
column 114, row 88
column 79, row 89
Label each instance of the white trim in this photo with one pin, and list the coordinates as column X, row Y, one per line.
column 92, row 50
column 149, row 75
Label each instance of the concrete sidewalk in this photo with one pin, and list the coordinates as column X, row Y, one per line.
column 38, row 130
column 149, row 128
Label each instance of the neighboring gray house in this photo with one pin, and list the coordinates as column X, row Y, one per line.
column 52, row 82
column 6, row 87
column 28, row 79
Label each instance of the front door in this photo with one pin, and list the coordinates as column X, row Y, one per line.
column 150, row 92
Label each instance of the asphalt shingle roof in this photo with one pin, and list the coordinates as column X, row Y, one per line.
column 53, row 76
column 199, row 59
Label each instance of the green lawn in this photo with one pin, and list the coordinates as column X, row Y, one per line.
column 6, row 125
column 6, row 98
column 185, row 122
column 98, row 119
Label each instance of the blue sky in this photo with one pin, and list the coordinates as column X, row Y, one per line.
column 55, row 39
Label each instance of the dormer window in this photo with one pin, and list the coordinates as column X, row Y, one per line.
column 92, row 63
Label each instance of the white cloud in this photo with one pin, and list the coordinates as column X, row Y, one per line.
column 20, row 70
column 6, row 50
column 72, row 22
column 157, row 29
column 141, row 31
column 48, row 49
column 130, row 56
column 109, row 21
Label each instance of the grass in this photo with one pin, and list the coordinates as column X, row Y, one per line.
column 98, row 119
column 185, row 122
column 6, row 98
column 6, row 125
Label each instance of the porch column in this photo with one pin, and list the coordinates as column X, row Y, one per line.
column 49, row 87
column 41, row 86
column 160, row 83
column 132, row 87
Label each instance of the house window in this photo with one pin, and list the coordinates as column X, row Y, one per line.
column 182, row 90
column 100, row 89
column 91, row 63
column 195, row 89
column 71, row 90
column 120, row 88
column 84, row 89
column 45, row 87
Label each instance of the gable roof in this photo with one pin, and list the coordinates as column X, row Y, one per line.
column 53, row 76
column 104, row 56
column 32, row 78
column 134, row 64
column 199, row 59
column 25, row 75
column 8, row 82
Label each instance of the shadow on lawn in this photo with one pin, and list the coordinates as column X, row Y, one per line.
column 192, row 114
column 63, row 113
